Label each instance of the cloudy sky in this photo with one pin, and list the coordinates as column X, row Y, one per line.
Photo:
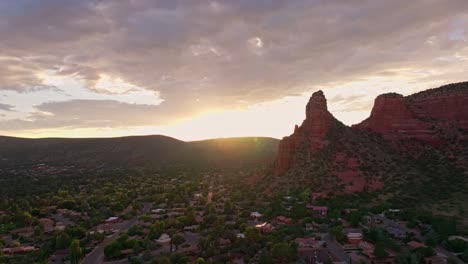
column 200, row 69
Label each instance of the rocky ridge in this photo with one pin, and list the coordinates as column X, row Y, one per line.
column 399, row 127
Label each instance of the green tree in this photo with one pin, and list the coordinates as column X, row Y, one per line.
column 112, row 250
column 200, row 261
column 179, row 259
column 379, row 250
column 458, row 245
column 337, row 232
column 253, row 235
column 24, row 218
column 355, row 218
column 75, row 251
column 305, row 195
column 228, row 207
column 464, row 255
column 62, row 241
column 163, row 260
column 282, row 252
column 177, row 240
column 156, row 229
column 452, row 260
column 135, row 230
column 266, row 258
column 190, row 217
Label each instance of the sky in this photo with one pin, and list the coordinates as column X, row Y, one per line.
column 198, row 69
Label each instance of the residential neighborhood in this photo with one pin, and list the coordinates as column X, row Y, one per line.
column 212, row 217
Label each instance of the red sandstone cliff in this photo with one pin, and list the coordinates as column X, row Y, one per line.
column 392, row 117
column 419, row 116
column 436, row 117
column 310, row 135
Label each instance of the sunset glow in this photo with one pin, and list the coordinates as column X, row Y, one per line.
column 158, row 74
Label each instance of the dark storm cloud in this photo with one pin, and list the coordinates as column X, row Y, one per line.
column 6, row 107
column 212, row 54
column 85, row 114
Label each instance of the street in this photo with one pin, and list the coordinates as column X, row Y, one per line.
column 97, row 255
column 335, row 247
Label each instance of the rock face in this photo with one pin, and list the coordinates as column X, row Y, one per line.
column 310, row 135
column 321, row 145
column 419, row 116
column 392, row 117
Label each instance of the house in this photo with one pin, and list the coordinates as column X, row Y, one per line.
column 59, row 226
column 104, row 228
column 174, row 214
column 255, row 215
column 265, row 227
column 367, row 248
column 230, row 223
column 178, row 209
column 282, row 220
column 126, row 252
column 311, row 226
column 47, row 224
column 350, row 210
column 23, row 232
column 318, row 210
column 415, row 244
column 236, row 257
column 192, row 228
column 164, row 239
column 316, row 195
column 158, row 211
column 112, row 220
column 240, row 235
column 58, row 256
column 354, row 238
column 395, row 232
column 377, row 220
column 223, row 243
column 358, row 258
column 156, row 216
column 309, row 242
column 450, row 238
column 198, row 219
column 394, row 210
column 18, row 250
column 436, row 260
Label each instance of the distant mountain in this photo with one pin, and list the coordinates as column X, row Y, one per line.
column 134, row 151
column 410, row 146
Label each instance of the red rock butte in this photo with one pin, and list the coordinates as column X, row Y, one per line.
column 394, row 116
column 310, row 134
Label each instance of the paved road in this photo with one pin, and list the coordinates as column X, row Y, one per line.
column 335, row 247
column 97, row 255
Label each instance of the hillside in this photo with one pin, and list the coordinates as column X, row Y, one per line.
column 412, row 148
column 134, row 151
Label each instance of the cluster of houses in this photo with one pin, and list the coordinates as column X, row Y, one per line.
column 19, row 250
column 57, row 221
column 41, row 169
column 313, row 246
column 354, row 248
